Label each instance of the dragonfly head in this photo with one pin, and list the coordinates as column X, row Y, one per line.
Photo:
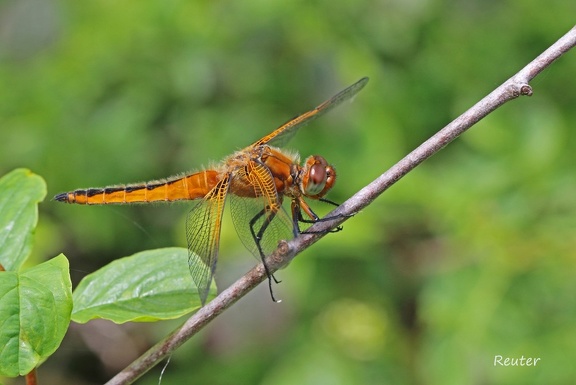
column 317, row 177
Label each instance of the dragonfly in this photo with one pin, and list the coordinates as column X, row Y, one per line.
column 255, row 181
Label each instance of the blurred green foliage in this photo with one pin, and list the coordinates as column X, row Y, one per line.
column 468, row 257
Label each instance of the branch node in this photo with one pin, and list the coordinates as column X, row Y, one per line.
column 283, row 248
column 284, row 253
column 526, row 90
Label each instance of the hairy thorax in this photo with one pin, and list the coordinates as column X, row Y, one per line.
column 278, row 169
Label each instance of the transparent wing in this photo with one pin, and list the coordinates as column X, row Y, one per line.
column 285, row 132
column 250, row 215
column 203, row 226
column 260, row 221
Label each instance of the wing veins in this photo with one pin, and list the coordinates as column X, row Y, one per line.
column 284, row 133
column 203, row 226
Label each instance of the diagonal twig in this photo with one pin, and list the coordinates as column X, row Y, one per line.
column 512, row 88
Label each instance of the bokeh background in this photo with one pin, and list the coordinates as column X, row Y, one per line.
column 470, row 256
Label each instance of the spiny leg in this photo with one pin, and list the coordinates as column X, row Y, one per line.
column 298, row 218
column 258, row 237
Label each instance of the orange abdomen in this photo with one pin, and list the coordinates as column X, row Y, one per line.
column 188, row 187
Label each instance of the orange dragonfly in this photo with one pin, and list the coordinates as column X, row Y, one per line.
column 256, row 179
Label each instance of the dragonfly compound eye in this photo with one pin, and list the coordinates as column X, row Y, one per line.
column 318, row 178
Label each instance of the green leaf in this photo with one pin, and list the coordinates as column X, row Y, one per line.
column 35, row 307
column 20, row 191
column 148, row 286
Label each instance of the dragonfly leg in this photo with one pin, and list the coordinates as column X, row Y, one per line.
column 270, row 214
column 299, row 218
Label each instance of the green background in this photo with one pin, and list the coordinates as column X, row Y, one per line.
column 472, row 255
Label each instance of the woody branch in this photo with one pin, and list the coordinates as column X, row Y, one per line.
column 514, row 87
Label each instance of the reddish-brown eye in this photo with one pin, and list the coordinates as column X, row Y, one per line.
column 330, row 176
column 316, row 179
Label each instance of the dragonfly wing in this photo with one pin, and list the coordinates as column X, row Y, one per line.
column 260, row 221
column 249, row 216
column 203, row 226
column 285, row 132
